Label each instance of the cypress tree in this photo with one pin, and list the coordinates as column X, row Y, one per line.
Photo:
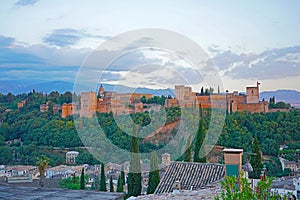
column 188, row 153
column 120, row 184
column 123, row 176
column 82, row 182
column 102, row 179
column 74, row 178
column 199, row 142
column 154, row 174
column 256, row 160
column 111, row 185
column 134, row 175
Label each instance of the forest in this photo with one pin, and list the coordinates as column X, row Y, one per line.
column 26, row 133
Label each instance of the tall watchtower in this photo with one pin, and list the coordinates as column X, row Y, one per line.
column 88, row 104
column 252, row 94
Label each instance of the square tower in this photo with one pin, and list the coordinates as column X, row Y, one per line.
column 179, row 92
column 252, row 94
column 88, row 104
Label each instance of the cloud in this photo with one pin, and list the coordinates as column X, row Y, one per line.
column 140, row 67
column 110, row 76
column 26, row 2
column 9, row 55
column 270, row 64
column 6, row 41
column 62, row 37
column 68, row 36
column 17, row 55
column 224, row 60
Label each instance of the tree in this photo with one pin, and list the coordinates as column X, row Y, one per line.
column 153, row 174
column 232, row 192
column 256, row 160
column 82, row 182
column 199, row 142
column 211, row 90
column 102, row 179
column 202, row 91
column 123, row 175
column 120, row 184
column 95, row 184
column 42, row 163
column 5, row 154
column 72, row 183
column 207, row 92
column 134, row 175
column 188, row 153
column 111, row 185
column 143, row 99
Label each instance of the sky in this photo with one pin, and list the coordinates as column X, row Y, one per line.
column 48, row 40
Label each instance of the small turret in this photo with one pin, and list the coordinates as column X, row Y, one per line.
column 101, row 91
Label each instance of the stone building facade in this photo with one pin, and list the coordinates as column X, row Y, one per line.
column 232, row 102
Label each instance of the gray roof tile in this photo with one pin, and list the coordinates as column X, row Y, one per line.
column 191, row 175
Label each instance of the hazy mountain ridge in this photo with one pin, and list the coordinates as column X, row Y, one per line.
column 19, row 87
column 288, row 96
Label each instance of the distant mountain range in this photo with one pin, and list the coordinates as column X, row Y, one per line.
column 18, row 87
column 288, row 96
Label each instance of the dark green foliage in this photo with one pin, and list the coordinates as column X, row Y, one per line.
column 102, row 179
column 72, row 183
column 188, row 153
column 287, row 172
column 120, row 184
column 111, row 185
column 95, row 184
column 5, row 151
column 123, row 176
column 154, row 100
column 232, row 192
column 279, row 105
column 82, row 181
column 202, row 91
column 198, row 143
column 271, row 129
column 134, row 175
column 153, row 174
column 256, row 160
column 206, row 91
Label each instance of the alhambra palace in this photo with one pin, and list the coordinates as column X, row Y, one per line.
column 128, row 103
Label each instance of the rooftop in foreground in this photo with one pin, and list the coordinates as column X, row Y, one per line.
column 30, row 193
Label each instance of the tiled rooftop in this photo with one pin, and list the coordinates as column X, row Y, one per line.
column 209, row 193
column 30, row 193
column 192, row 176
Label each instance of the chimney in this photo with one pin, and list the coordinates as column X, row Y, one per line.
column 233, row 161
column 166, row 159
column 176, row 187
